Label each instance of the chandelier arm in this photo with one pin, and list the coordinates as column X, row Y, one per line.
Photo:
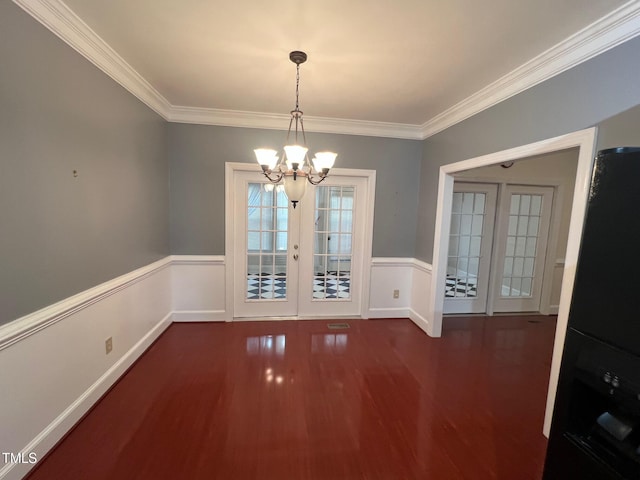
column 321, row 179
column 273, row 180
column 304, row 136
column 289, row 130
column 309, row 166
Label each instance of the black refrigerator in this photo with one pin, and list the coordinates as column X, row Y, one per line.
column 595, row 431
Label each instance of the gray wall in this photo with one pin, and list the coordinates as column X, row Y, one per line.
column 60, row 235
column 197, row 154
column 622, row 130
column 579, row 98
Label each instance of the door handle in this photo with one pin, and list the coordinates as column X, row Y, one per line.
column 295, row 256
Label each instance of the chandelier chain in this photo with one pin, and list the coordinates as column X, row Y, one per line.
column 297, row 85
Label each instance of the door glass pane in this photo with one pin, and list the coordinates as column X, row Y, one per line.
column 346, row 220
column 267, row 227
column 454, row 241
column 536, row 205
column 474, row 267
column 478, row 206
column 474, row 247
column 457, row 203
column 476, row 227
column 344, row 243
column 452, row 266
column 528, row 267
column 465, row 241
column 333, row 242
column 515, row 204
column 467, row 202
column 465, row 224
column 508, row 267
column 455, row 224
column 521, row 249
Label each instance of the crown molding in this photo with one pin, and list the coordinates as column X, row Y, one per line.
column 611, row 30
column 274, row 121
column 63, row 22
column 604, row 34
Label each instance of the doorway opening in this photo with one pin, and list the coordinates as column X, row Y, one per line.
column 584, row 141
column 508, row 235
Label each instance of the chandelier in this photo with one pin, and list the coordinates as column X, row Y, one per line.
column 294, row 166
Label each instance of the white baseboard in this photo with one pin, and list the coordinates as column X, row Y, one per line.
column 199, row 316
column 553, row 309
column 419, row 320
column 389, row 312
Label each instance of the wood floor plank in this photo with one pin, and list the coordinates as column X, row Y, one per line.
column 295, row 400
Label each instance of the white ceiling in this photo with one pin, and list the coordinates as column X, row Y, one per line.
column 399, row 62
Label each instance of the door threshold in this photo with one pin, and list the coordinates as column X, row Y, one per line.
column 497, row 314
column 298, row 317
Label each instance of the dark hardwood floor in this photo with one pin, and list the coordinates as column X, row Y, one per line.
column 297, row 400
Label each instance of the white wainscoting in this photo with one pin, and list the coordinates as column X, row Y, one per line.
column 53, row 365
column 387, row 275
column 420, row 294
column 412, row 277
column 198, row 288
column 556, row 289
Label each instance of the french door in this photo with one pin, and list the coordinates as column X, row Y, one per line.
column 497, row 248
column 524, row 222
column 470, row 243
column 307, row 261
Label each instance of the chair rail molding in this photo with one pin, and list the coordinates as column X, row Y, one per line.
column 32, row 323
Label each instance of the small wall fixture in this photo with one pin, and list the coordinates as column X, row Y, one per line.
column 294, row 165
column 507, row 164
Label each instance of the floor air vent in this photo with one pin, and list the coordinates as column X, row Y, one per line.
column 337, row 326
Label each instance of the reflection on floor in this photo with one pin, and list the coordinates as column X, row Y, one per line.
column 296, row 400
column 268, row 286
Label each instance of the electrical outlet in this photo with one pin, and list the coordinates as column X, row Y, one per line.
column 396, row 294
column 108, row 345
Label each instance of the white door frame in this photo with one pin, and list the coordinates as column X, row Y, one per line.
column 585, row 141
column 229, row 225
